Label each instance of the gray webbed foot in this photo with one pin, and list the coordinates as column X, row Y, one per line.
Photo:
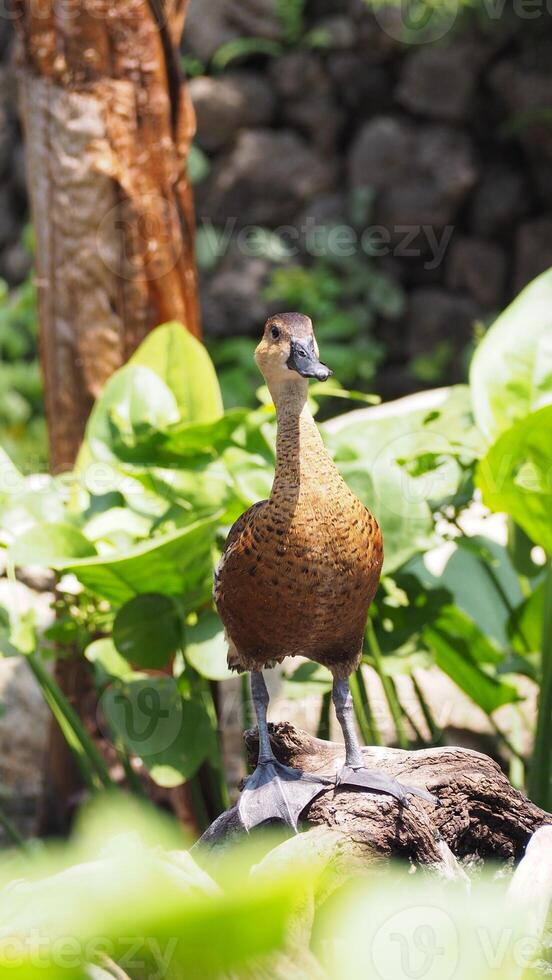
column 379, row 782
column 278, row 792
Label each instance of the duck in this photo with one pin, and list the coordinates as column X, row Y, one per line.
column 296, row 578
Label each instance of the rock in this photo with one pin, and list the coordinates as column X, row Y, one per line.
column 259, row 101
column 361, row 85
column 525, row 91
column 9, row 226
column 307, row 102
column 435, row 316
column 224, row 105
column 207, row 28
column 264, row 180
column 6, row 143
column 337, row 31
column 533, row 250
column 421, row 174
column 18, row 170
column 326, row 209
column 233, row 297
column 15, row 264
column 478, row 268
column 24, row 723
column 499, row 200
column 439, row 80
column 256, row 18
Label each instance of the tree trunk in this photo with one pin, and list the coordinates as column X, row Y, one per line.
column 108, row 125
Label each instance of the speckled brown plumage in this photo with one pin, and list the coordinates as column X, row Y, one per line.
column 300, row 569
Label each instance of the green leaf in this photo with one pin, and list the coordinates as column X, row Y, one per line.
column 179, row 564
column 147, row 630
column 528, row 620
column 373, row 448
column 207, row 647
column 514, row 476
column 307, row 680
column 171, row 735
column 398, row 623
column 7, row 648
column 480, row 578
column 133, row 409
column 183, row 363
column 107, row 662
column 50, row 545
column 460, row 650
column 124, row 885
column 511, row 371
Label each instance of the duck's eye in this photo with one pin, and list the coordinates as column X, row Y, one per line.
column 275, row 333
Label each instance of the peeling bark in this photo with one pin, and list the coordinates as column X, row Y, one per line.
column 481, row 815
column 108, row 126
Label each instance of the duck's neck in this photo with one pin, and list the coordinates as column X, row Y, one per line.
column 302, row 462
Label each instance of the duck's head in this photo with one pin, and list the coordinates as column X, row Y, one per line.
column 288, row 349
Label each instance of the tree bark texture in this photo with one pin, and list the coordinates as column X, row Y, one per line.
column 108, row 126
column 481, row 816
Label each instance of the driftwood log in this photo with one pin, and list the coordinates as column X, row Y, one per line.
column 481, row 816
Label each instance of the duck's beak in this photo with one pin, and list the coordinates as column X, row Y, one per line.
column 303, row 359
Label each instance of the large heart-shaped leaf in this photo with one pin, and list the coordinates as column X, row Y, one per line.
column 514, row 476
column 207, row 647
column 50, row 545
column 135, row 407
column 184, row 365
column 511, row 370
column 171, row 735
column 379, row 450
column 148, row 630
column 179, row 564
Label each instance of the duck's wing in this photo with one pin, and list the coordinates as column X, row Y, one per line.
column 239, row 525
column 234, row 535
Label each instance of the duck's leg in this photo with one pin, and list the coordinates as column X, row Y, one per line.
column 354, row 772
column 274, row 791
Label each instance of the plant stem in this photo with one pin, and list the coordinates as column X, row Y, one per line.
column 214, row 764
column 323, row 727
column 91, row 763
column 363, row 709
column 407, row 716
column 12, row 831
column 390, row 696
column 433, row 727
column 245, row 701
column 540, row 782
column 506, row 740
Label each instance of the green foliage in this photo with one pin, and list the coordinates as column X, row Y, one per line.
column 511, row 371
column 125, row 897
column 22, row 430
column 514, row 476
column 291, row 14
column 162, row 473
column 147, row 630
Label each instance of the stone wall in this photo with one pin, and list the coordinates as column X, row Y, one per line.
column 453, row 139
